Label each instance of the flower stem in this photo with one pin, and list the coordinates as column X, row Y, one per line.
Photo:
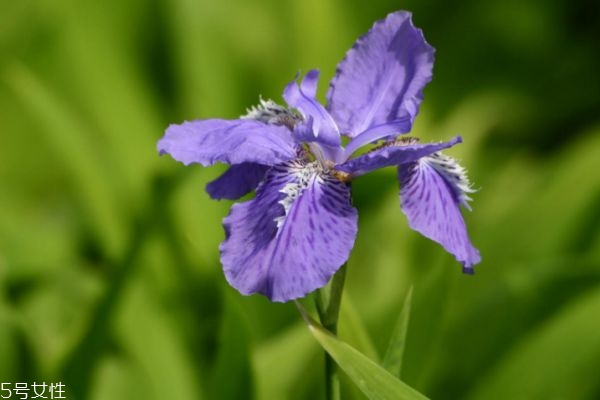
column 328, row 301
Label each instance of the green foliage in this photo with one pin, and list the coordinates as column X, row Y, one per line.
column 394, row 354
column 109, row 273
column 373, row 380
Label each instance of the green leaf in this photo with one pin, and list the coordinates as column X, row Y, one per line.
column 392, row 361
column 353, row 330
column 372, row 380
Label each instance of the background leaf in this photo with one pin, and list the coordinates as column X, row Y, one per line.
column 392, row 361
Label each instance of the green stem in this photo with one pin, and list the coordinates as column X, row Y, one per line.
column 328, row 301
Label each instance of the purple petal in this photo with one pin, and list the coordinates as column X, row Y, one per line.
column 382, row 77
column 309, row 84
column 430, row 202
column 394, row 153
column 303, row 133
column 292, row 237
column 230, row 141
column 318, row 122
column 238, row 180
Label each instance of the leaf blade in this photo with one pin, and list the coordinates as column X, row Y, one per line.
column 374, row 381
column 392, row 361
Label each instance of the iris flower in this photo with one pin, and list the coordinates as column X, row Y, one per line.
column 300, row 227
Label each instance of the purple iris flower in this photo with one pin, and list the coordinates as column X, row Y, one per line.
column 300, row 227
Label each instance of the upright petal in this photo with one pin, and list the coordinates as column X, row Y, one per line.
column 382, row 77
column 292, row 237
column 237, row 181
column 430, row 199
column 319, row 126
column 396, row 152
column 230, row 141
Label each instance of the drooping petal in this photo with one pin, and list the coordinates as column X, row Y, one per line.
column 430, row 201
column 382, row 77
column 319, row 123
column 230, row 141
column 292, row 237
column 392, row 153
column 454, row 174
column 237, row 181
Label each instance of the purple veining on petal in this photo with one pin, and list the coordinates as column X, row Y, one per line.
column 289, row 258
column 431, row 205
column 391, row 155
column 230, row 141
column 237, row 181
column 382, row 77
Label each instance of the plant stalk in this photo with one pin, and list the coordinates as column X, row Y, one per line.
column 328, row 300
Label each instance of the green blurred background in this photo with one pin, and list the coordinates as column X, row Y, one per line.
column 109, row 274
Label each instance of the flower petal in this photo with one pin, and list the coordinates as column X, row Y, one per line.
column 430, row 202
column 237, row 181
column 292, row 237
column 230, row 141
column 382, row 77
column 392, row 153
column 319, row 123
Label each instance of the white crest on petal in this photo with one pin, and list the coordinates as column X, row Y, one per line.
column 303, row 174
column 272, row 113
column 454, row 174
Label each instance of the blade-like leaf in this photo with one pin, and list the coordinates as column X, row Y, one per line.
column 392, row 361
column 353, row 330
column 373, row 380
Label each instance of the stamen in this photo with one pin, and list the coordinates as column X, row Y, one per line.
column 405, row 141
column 399, row 141
column 341, row 176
